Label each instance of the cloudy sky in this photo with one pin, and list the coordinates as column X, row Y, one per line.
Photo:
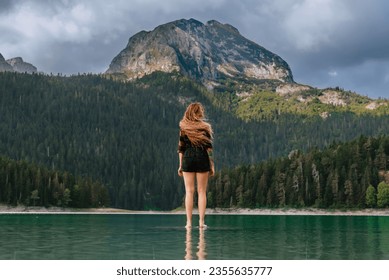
column 327, row 43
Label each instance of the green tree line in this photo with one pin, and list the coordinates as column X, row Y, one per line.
column 23, row 183
column 348, row 175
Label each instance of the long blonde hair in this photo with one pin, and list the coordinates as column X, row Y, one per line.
column 193, row 125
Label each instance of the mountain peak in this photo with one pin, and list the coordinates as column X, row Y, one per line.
column 16, row 64
column 204, row 52
column 229, row 27
column 21, row 66
column 4, row 66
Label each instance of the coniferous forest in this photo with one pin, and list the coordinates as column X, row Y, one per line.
column 31, row 185
column 88, row 141
column 336, row 177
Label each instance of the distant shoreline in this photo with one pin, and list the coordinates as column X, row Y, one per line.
column 4, row 209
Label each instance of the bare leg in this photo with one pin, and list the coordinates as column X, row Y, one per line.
column 189, row 180
column 202, row 182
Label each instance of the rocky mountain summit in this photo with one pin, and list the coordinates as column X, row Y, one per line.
column 205, row 52
column 16, row 64
column 4, row 66
column 21, row 66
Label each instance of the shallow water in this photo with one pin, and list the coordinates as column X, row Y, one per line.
column 118, row 236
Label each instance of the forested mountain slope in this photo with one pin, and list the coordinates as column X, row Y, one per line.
column 125, row 134
column 337, row 176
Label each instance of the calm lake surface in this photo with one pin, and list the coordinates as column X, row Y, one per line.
column 119, row 236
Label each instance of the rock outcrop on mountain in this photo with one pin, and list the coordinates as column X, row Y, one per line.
column 16, row 64
column 20, row 66
column 205, row 52
column 4, row 66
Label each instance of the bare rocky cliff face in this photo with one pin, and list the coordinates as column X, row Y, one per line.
column 16, row 64
column 4, row 66
column 205, row 52
column 20, row 66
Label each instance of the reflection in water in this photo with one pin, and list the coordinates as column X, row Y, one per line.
column 188, row 243
column 201, row 252
column 161, row 237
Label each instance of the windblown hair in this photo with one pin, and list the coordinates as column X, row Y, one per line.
column 195, row 127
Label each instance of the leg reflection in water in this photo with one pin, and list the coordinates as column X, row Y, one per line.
column 188, row 243
column 201, row 252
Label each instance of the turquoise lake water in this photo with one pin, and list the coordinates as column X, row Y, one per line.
column 163, row 237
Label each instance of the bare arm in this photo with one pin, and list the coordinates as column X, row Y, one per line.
column 210, row 155
column 180, row 166
column 180, row 151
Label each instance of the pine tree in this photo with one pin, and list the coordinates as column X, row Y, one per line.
column 371, row 197
column 383, row 195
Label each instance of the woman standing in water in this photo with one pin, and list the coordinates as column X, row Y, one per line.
column 196, row 160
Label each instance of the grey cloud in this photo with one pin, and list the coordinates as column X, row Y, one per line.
column 7, row 5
